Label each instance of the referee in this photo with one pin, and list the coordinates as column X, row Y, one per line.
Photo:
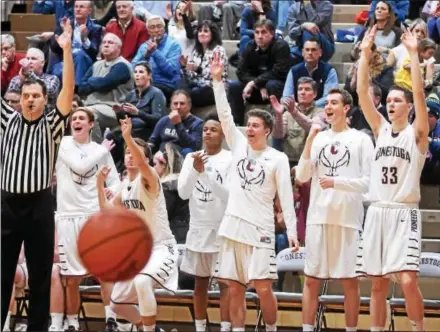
column 29, row 146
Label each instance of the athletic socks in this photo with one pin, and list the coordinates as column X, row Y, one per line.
column 351, row 329
column 7, row 322
column 72, row 320
column 271, row 328
column 376, row 328
column 200, row 325
column 109, row 313
column 225, row 326
column 150, row 328
column 57, row 321
column 238, row 329
column 308, row 328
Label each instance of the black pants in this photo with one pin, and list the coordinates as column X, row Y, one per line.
column 28, row 218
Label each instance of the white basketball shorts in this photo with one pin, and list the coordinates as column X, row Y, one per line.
column 162, row 267
column 391, row 240
column 199, row 264
column 68, row 228
column 331, row 251
column 243, row 263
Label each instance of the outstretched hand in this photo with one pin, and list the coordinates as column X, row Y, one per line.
column 217, row 67
column 126, row 127
column 65, row 39
column 368, row 41
column 409, row 40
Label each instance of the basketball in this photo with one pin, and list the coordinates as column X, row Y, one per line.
column 115, row 245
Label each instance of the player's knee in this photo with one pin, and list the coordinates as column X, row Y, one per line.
column 143, row 282
column 408, row 281
column 55, row 273
column 237, row 290
column 263, row 287
column 116, row 308
column 379, row 286
column 312, row 283
column 201, row 286
column 72, row 282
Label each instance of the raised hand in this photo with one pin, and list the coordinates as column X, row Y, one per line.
column 130, row 109
column 102, row 175
column 65, row 39
column 290, row 104
column 314, row 130
column 200, row 159
column 409, row 40
column 217, row 67
column 108, row 144
column 276, row 105
column 368, row 41
column 125, row 127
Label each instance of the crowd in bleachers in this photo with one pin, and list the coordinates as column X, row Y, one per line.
column 150, row 60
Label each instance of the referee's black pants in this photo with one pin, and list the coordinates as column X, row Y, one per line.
column 28, row 218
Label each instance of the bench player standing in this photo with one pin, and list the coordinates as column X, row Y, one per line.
column 391, row 239
column 203, row 181
column 79, row 159
column 142, row 193
column 338, row 161
column 258, row 172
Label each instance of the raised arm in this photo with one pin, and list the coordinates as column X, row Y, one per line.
column 101, row 178
column 187, row 178
column 304, row 170
column 421, row 125
column 233, row 135
column 149, row 176
column 64, row 101
column 374, row 118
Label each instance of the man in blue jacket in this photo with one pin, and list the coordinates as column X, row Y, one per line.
column 86, row 39
column 179, row 127
column 61, row 8
column 431, row 170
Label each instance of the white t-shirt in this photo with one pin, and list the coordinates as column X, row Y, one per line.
column 150, row 207
column 396, row 167
column 208, row 194
column 401, row 54
column 76, row 169
column 255, row 178
column 346, row 156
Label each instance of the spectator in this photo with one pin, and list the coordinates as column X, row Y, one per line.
column 32, row 67
column 130, row 30
column 262, row 70
column 400, row 8
column 180, row 28
column 86, row 39
column 434, row 20
column 12, row 98
column 431, row 170
column 387, row 35
column 399, row 53
column 225, row 14
column 180, row 127
column 292, row 127
column 357, row 118
column 324, row 74
column 258, row 11
column 168, row 165
column 10, row 61
column 282, row 7
column 146, row 104
column 197, row 70
column 107, row 82
column 426, row 50
column 380, row 73
column 76, row 102
column 312, row 20
column 144, row 9
column 162, row 53
column 61, row 9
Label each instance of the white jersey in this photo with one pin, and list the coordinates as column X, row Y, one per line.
column 346, row 156
column 76, row 169
column 397, row 166
column 255, row 178
column 151, row 208
column 208, row 195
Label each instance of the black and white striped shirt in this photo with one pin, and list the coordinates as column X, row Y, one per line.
column 29, row 149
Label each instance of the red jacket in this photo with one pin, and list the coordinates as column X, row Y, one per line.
column 13, row 70
column 135, row 35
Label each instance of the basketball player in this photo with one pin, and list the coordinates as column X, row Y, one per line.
column 391, row 241
column 258, row 172
column 338, row 162
column 79, row 159
column 142, row 193
column 203, row 181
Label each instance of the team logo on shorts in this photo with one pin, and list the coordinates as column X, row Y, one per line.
column 251, row 173
column 82, row 179
column 333, row 156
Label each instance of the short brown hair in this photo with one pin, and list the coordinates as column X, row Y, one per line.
column 347, row 99
column 90, row 113
column 144, row 145
column 263, row 115
column 426, row 44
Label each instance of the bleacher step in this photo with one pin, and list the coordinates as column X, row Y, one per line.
column 32, row 22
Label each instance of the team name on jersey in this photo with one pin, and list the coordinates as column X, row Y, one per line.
column 393, row 151
column 134, row 204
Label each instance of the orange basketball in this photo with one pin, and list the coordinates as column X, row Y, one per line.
column 115, row 245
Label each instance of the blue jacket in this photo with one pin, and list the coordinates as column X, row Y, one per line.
column 164, row 61
column 400, row 7
column 434, row 146
column 95, row 36
column 249, row 18
column 57, row 7
column 186, row 135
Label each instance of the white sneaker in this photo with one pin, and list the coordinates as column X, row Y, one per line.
column 53, row 328
column 20, row 327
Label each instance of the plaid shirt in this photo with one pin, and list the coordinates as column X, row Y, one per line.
column 52, row 84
